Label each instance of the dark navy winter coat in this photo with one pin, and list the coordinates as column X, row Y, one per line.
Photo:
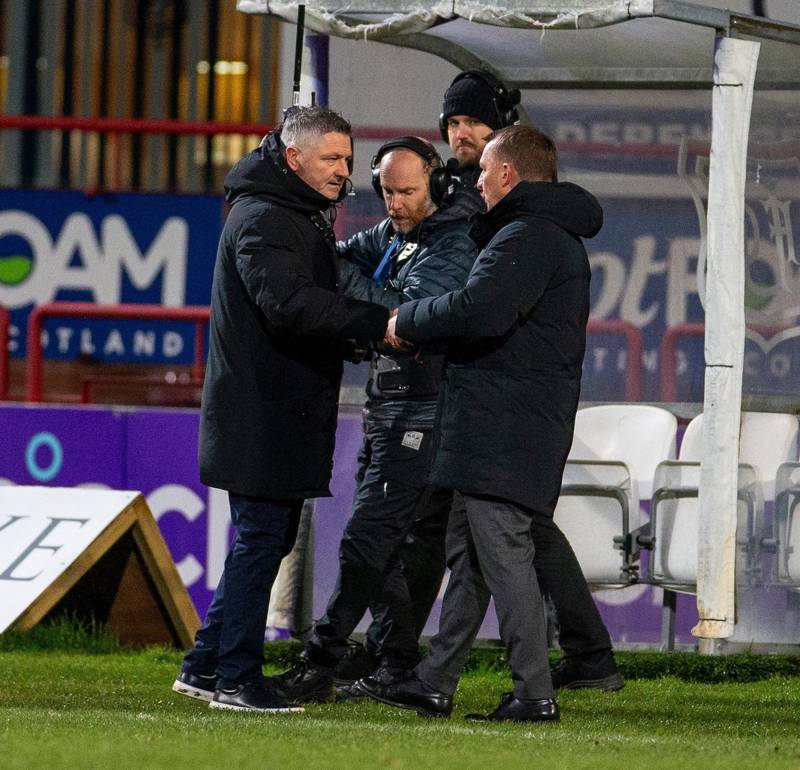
column 437, row 258
column 278, row 326
column 517, row 335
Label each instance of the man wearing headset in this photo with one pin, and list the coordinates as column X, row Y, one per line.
column 476, row 104
column 420, row 250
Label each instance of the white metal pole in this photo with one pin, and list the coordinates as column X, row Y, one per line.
column 735, row 63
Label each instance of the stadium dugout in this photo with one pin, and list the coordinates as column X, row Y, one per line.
column 745, row 66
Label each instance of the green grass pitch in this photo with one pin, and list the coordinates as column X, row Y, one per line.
column 114, row 709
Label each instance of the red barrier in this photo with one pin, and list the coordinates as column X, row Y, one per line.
column 668, row 360
column 198, row 314
column 5, row 326
column 633, row 358
column 89, row 385
column 177, row 127
column 129, row 126
column 669, row 345
column 374, row 133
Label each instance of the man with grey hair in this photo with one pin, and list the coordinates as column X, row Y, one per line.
column 279, row 330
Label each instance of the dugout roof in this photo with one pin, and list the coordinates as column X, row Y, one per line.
column 579, row 43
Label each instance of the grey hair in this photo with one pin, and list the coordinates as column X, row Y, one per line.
column 301, row 124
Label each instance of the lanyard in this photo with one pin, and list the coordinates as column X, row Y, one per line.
column 384, row 267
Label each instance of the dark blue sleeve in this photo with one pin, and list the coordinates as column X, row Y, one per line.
column 507, row 279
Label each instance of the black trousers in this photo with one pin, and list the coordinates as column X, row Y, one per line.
column 421, row 568
column 580, row 628
column 392, row 497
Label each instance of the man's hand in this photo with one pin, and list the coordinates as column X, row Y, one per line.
column 391, row 339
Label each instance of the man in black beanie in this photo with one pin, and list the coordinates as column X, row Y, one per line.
column 475, row 104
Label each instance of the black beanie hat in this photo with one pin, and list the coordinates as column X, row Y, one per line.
column 470, row 94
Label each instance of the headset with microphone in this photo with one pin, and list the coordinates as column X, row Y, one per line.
column 440, row 179
column 504, row 101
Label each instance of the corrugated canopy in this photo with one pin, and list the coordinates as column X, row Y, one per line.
column 566, row 44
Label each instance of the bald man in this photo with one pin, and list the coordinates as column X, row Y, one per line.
column 420, row 250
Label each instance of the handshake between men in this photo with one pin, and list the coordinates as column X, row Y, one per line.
column 391, row 339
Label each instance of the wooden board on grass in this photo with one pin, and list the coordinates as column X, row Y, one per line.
column 94, row 554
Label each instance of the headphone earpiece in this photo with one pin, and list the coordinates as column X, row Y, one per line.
column 275, row 149
column 376, row 180
column 443, row 128
column 440, row 180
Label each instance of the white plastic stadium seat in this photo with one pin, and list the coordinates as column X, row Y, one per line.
column 610, row 468
column 786, row 538
column 673, row 517
column 765, row 442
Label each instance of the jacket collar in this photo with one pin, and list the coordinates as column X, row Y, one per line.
column 567, row 205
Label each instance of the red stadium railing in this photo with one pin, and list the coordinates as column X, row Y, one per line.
column 668, row 358
column 669, row 351
column 116, row 126
column 177, row 127
column 5, row 326
column 633, row 359
column 200, row 316
column 35, row 362
column 190, row 387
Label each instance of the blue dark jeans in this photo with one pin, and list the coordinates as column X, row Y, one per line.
column 230, row 642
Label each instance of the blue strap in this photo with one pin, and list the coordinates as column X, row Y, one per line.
column 385, row 266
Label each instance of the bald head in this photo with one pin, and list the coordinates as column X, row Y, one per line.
column 404, row 177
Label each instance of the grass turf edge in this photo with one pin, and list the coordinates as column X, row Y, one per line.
column 68, row 635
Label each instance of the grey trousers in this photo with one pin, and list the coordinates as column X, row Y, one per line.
column 490, row 552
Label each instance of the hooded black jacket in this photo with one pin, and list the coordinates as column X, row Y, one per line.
column 517, row 335
column 278, row 324
column 440, row 263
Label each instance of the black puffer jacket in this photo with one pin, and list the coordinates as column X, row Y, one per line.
column 441, row 261
column 517, row 336
column 277, row 323
column 468, row 180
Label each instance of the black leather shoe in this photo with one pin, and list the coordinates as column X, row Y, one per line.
column 253, row 696
column 597, row 671
column 357, row 662
column 408, row 693
column 197, row 686
column 306, row 682
column 386, row 675
column 513, row 709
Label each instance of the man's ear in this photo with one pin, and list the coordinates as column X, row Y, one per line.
column 508, row 173
column 292, row 161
